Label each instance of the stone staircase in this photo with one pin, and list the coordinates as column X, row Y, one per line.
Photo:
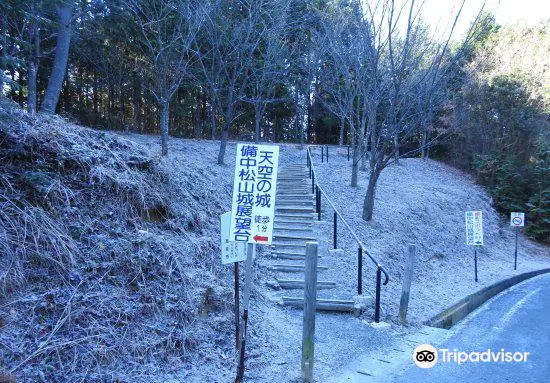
column 293, row 227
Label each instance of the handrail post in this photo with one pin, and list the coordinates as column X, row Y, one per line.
column 335, row 231
column 377, row 303
column 348, row 151
column 318, row 203
column 307, row 156
column 312, row 181
column 327, row 153
column 360, row 270
column 317, row 199
column 322, row 154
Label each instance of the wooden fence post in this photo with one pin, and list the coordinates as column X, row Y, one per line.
column 407, row 279
column 310, row 301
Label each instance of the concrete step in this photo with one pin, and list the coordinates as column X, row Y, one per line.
column 293, row 202
column 294, row 209
column 293, row 225
column 289, row 246
column 289, row 284
column 292, row 254
column 307, row 196
column 291, row 237
column 325, row 304
column 292, row 268
column 294, row 188
column 289, row 217
column 305, row 233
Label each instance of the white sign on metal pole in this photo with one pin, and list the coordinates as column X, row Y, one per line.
column 254, row 190
column 231, row 251
column 474, row 228
column 517, row 219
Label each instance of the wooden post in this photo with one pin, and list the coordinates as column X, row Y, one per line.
column 407, row 279
column 237, row 309
column 475, row 263
column 251, row 249
column 310, row 302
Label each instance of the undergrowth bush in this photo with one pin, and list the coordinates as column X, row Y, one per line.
column 521, row 186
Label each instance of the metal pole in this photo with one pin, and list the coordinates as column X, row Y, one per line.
column 246, row 299
column 312, row 181
column 319, row 204
column 317, row 199
column 322, row 154
column 360, row 270
column 327, row 152
column 237, row 309
column 335, row 231
column 307, row 156
column 475, row 262
column 348, row 151
column 377, row 304
column 516, row 250
column 310, row 307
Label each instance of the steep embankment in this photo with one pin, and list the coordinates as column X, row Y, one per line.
column 109, row 265
column 423, row 202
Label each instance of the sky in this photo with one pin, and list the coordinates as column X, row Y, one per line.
column 440, row 13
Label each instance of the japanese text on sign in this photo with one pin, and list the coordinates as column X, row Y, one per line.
column 231, row 251
column 254, row 193
column 474, row 228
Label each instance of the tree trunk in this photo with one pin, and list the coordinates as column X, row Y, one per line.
column 31, row 78
column 33, row 68
column 342, row 127
column 368, row 204
column 257, row 118
column 423, row 143
column 223, row 143
column 197, row 117
column 212, row 121
column 164, row 125
column 355, row 157
column 53, row 90
column 363, row 152
column 396, row 148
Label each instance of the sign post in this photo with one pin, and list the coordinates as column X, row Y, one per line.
column 232, row 252
column 517, row 220
column 474, row 233
column 252, row 215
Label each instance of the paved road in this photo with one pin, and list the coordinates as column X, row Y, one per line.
column 518, row 319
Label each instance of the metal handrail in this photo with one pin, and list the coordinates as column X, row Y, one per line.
column 362, row 249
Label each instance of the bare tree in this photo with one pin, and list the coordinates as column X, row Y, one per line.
column 404, row 69
column 228, row 47
column 64, row 21
column 168, row 29
column 268, row 68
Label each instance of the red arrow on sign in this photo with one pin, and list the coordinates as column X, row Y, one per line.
column 258, row 238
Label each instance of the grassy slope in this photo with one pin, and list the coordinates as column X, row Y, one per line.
column 109, row 264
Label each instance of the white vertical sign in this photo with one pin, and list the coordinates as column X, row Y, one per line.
column 231, row 251
column 517, row 219
column 254, row 189
column 474, row 228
